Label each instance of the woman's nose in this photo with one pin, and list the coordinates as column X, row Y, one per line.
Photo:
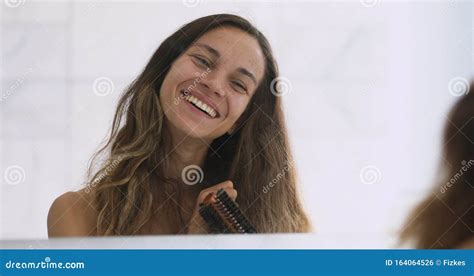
column 214, row 84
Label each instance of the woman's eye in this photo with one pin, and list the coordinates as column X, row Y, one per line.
column 239, row 86
column 202, row 61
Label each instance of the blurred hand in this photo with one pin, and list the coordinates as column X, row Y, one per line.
column 197, row 225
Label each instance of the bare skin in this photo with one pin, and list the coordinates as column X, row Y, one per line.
column 234, row 65
column 72, row 214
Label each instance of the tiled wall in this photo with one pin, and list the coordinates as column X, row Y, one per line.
column 369, row 91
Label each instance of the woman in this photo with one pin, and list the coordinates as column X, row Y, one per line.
column 445, row 219
column 204, row 101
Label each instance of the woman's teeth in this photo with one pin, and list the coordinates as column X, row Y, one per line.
column 204, row 107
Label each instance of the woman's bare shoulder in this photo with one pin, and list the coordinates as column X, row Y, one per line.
column 72, row 214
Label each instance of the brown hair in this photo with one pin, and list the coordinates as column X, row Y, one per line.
column 253, row 156
column 445, row 218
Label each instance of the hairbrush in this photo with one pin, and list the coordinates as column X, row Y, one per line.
column 222, row 215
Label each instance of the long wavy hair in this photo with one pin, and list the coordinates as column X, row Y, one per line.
column 445, row 218
column 256, row 156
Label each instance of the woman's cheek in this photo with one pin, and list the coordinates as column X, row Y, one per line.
column 241, row 106
column 236, row 110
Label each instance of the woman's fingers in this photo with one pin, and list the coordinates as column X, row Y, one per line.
column 228, row 186
column 197, row 224
column 232, row 193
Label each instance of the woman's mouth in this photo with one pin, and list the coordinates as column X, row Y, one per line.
column 201, row 106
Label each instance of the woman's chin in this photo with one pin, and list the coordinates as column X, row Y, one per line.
column 196, row 130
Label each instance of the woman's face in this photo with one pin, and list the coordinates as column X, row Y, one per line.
column 209, row 86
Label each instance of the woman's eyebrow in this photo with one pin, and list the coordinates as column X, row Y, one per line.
column 246, row 72
column 211, row 50
column 217, row 55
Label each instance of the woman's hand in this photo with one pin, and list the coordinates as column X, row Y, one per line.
column 197, row 224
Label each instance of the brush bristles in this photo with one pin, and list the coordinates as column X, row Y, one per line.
column 236, row 215
column 212, row 218
column 222, row 215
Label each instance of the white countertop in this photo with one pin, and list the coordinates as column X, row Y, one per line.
column 223, row 241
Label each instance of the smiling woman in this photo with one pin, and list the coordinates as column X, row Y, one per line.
column 204, row 101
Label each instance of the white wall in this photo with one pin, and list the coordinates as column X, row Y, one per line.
column 369, row 88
